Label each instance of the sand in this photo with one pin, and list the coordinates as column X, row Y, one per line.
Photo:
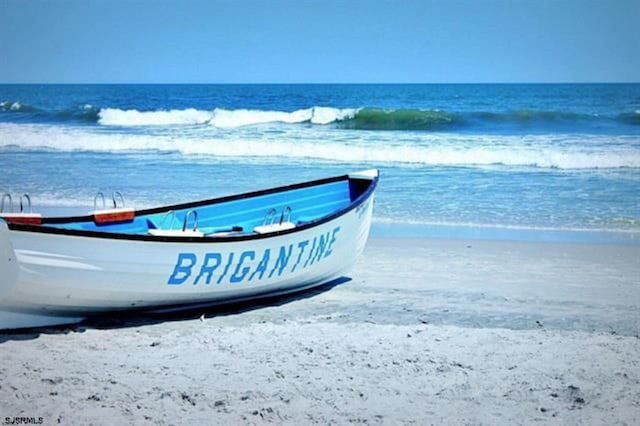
column 427, row 332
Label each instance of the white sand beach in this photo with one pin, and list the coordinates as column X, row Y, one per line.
column 428, row 331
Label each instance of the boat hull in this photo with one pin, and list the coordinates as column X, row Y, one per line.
column 57, row 279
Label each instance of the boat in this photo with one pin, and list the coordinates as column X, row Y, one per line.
column 62, row 270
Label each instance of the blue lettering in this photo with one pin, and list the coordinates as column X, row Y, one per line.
column 262, row 266
column 301, row 246
column 226, row 269
column 239, row 275
column 313, row 247
column 281, row 261
column 321, row 247
column 208, row 269
column 182, row 270
column 333, row 240
column 322, row 244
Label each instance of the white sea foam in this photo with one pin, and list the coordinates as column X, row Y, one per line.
column 220, row 117
column 132, row 117
column 631, row 227
column 12, row 106
column 449, row 150
column 326, row 115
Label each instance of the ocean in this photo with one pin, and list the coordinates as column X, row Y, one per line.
column 516, row 161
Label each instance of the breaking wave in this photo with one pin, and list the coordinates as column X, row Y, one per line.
column 581, row 152
column 132, row 117
column 15, row 106
column 349, row 118
column 363, row 118
column 220, row 117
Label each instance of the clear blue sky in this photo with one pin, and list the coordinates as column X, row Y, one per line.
column 298, row 41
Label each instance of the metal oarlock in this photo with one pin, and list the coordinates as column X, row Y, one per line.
column 28, row 199
column 115, row 197
column 270, row 217
column 6, row 195
column 170, row 214
column 95, row 201
column 23, row 216
column 25, row 203
column 286, row 214
column 117, row 194
column 186, row 220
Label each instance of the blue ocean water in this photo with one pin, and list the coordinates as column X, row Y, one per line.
column 534, row 160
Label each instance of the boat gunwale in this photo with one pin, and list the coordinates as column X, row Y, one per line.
column 43, row 229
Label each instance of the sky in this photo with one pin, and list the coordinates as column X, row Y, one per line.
column 319, row 41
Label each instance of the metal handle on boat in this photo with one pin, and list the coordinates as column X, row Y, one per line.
column 186, row 220
column 286, row 213
column 95, row 201
column 6, row 195
column 28, row 198
column 113, row 197
column 168, row 214
column 270, row 217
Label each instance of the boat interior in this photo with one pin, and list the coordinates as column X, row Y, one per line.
column 267, row 211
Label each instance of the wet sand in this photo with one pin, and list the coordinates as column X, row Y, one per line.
column 427, row 331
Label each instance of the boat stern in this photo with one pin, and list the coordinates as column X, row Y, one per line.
column 12, row 315
column 8, row 262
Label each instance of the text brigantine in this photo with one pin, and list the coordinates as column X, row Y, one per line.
column 239, row 267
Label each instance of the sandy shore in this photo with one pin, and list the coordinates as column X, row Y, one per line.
column 428, row 331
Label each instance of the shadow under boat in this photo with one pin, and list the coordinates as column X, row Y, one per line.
column 138, row 318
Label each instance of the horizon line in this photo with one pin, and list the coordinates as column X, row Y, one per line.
column 309, row 83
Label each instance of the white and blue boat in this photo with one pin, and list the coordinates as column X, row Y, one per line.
column 60, row 270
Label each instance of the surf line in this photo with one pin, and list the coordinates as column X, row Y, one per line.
column 248, row 266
